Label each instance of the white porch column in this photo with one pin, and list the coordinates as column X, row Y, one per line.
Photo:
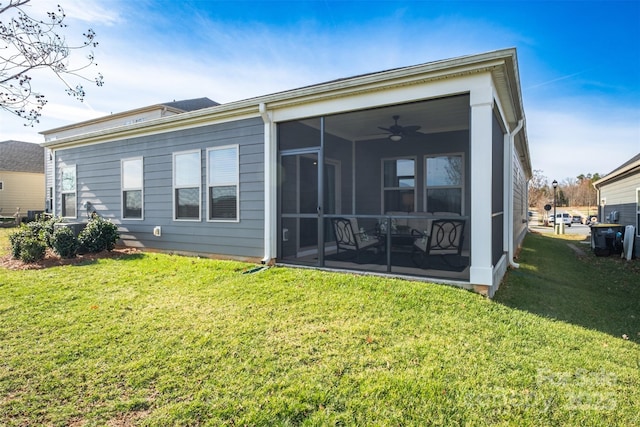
column 270, row 185
column 481, row 271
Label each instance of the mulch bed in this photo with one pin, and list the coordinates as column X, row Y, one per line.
column 53, row 260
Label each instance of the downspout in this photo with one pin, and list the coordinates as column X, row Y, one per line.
column 512, row 135
column 269, row 168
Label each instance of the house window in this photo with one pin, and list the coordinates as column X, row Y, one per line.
column 1, row 185
column 398, row 185
column 222, row 183
column 132, row 186
column 187, row 178
column 68, row 191
column 444, row 178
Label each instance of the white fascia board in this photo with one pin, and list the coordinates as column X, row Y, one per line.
column 154, row 127
column 617, row 173
column 379, row 98
column 338, row 93
column 111, row 117
column 379, row 82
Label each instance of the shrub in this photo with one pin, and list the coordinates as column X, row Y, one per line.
column 17, row 239
column 37, row 229
column 48, row 228
column 32, row 249
column 42, row 228
column 64, row 242
column 98, row 235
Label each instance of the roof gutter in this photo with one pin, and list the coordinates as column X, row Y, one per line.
column 616, row 174
column 367, row 83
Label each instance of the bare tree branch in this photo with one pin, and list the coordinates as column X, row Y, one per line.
column 28, row 44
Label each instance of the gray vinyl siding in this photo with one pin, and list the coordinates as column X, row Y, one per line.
column 98, row 181
column 620, row 195
column 621, row 191
column 48, row 175
column 520, row 201
column 338, row 148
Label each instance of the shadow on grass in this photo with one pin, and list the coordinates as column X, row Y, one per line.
column 88, row 259
column 556, row 281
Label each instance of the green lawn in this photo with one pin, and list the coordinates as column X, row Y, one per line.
column 158, row 340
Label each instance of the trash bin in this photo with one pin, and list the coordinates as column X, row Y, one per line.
column 606, row 239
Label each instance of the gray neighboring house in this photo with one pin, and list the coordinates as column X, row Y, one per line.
column 619, row 196
column 401, row 148
column 21, row 178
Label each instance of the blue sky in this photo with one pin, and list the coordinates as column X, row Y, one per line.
column 579, row 61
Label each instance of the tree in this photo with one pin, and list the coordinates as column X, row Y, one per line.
column 561, row 198
column 586, row 194
column 28, row 44
column 569, row 191
column 538, row 190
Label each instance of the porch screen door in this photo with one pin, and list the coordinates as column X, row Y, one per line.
column 300, row 224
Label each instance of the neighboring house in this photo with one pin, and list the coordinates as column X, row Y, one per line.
column 445, row 139
column 619, row 196
column 21, row 178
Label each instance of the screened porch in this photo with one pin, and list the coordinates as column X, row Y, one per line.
column 392, row 196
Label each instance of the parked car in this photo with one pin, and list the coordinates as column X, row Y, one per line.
column 562, row 216
column 576, row 219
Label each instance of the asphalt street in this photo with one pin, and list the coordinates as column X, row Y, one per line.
column 579, row 229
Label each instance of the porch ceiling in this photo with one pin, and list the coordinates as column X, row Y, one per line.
column 438, row 115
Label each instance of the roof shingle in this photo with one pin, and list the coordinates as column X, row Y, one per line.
column 18, row 156
column 191, row 104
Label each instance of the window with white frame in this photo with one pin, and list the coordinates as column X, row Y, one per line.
column 222, row 183
column 68, row 191
column 187, row 178
column 444, row 181
column 398, row 185
column 132, row 188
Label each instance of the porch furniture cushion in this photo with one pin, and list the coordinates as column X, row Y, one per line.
column 349, row 237
column 421, row 221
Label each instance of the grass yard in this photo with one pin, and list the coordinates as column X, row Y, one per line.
column 160, row 340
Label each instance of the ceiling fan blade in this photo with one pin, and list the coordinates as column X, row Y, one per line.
column 397, row 130
column 410, row 129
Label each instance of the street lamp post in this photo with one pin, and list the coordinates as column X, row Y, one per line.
column 555, row 218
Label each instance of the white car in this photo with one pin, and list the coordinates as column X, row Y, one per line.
column 564, row 217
